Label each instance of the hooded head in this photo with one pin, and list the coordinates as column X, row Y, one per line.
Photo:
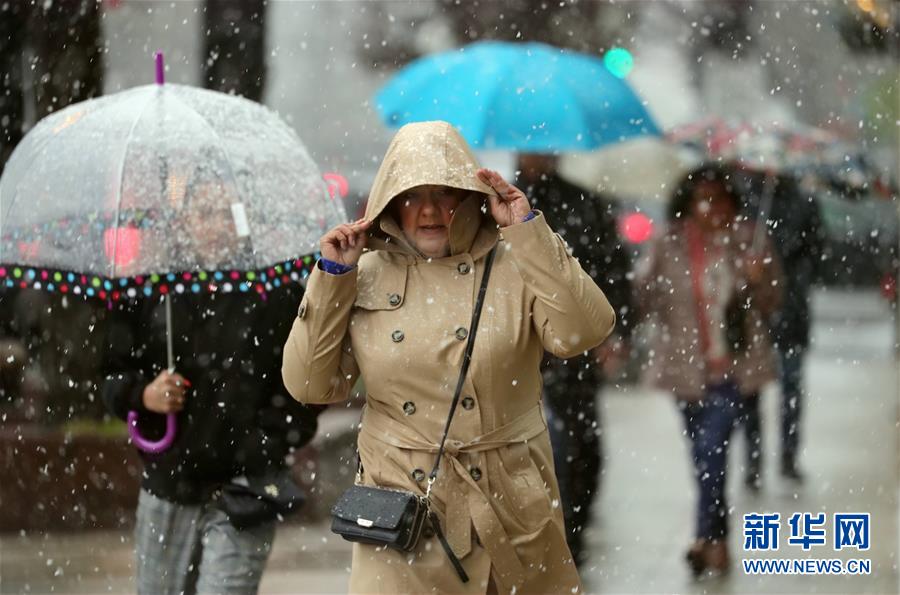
column 427, row 180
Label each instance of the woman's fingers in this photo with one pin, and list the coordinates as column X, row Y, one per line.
column 356, row 231
column 344, row 243
column 495, row 201
column 174, row 403
column 341, row 236
column 507, row 191
column 492, row 179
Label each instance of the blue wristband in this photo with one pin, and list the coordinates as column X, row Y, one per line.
column 334, row 268
column 530, row 216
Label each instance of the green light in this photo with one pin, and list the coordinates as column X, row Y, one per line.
column 618, row 61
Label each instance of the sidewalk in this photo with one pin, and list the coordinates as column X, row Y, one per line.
column 644, row 518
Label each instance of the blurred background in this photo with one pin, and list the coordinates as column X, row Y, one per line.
column 820, row 77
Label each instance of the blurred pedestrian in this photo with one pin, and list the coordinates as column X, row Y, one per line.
column 50, row 57
column 234, row 46
column 587, row 223
column 397, row 314
column 795, row 228
column 711, row 296
column 64, row 44
column 235, row 421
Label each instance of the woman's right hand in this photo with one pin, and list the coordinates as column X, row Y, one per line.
column 166, row 393
column 344, row 244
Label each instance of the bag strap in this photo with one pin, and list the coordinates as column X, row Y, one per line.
column 467, row 359
column 457, row 565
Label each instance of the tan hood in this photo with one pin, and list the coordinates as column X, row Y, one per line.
column 427, row 153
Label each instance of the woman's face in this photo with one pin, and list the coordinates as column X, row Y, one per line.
column 424, row 213
column 713, row 206
column 210, row 222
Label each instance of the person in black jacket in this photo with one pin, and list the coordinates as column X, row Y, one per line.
column 587, row 222
column 234, row 47
column 65, row 39
column 797, row 234
column 235, row 420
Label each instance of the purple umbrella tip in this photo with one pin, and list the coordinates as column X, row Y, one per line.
column 160, row 68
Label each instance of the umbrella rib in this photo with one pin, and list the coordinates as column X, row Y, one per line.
column 121, row 177
column 225, row 151
column 35, row 154
column 15, row 193
column 486, row 116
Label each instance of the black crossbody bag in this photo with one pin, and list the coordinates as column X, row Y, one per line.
column 395, row 518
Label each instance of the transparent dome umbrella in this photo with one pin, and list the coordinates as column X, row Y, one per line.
column 161, row 189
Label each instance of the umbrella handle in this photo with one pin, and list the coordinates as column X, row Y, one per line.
column 150, row 446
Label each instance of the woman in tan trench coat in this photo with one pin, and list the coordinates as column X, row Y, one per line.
column 398, row 315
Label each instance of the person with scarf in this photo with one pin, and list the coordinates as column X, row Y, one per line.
column 710, row 292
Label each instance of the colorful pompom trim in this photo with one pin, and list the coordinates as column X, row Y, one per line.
column 148, row 286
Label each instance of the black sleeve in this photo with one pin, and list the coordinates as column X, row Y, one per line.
column 123, row 378
column 285, row 422
column 817, row 239
column 610, row 263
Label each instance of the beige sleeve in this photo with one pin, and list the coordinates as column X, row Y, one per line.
column 318, row 365
column 570, row 313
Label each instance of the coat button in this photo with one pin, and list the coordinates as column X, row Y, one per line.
column 475, row 472
column 397, row 336
column 394, row 299
column 468, row 403
column 409, row 408
column 462, row 333
column 302, row 311
column 418, row 474
column 463, row 268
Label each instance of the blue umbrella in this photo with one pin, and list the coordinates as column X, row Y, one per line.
column 521, row 96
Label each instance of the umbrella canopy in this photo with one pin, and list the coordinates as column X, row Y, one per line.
column 157, row 189
column 641, row 169
column 521, row 96
column 770, row 146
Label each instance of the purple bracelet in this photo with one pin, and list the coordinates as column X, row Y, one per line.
column 334, row 268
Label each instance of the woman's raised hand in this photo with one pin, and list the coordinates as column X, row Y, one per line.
column 344, row 244
column 511, row 206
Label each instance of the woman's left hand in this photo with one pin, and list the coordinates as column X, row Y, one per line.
column 511, row 206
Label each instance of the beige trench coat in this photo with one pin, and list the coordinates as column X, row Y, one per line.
column 401, row 320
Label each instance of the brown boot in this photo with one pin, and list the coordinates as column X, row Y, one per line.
column 708, row 556
column 695, row 558
column 716, row 555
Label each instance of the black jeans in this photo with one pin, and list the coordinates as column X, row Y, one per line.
column 574, row 423
column 791, row 402
column 752, row 424
column 709, row 423
column 791, row 381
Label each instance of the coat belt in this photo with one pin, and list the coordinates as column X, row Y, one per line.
column 465, row 498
